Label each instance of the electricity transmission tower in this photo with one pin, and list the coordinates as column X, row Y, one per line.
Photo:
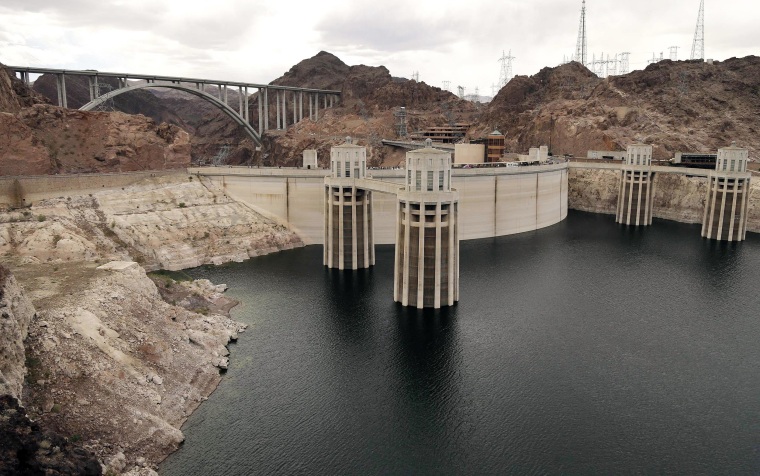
column 674, row 53
column 221, row 156
column 416, row 76
column 460, row 91
column 581, row 54
column 446, row 85
column 506, row 68
column 101, row 89
column 624, row 62
column 698, row 46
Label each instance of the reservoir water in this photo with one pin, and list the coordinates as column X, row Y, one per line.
column 586, row 347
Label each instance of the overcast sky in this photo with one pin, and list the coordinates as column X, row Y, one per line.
column 460, row 42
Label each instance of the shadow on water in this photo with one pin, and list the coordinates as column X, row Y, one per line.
column 349, row 298
column 427, row 365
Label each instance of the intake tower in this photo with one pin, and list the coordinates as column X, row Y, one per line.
column 725, row 216
column 426, row 272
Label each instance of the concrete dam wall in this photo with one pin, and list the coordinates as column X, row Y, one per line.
column 493, row 201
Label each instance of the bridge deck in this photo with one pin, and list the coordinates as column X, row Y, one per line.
column 168, row 79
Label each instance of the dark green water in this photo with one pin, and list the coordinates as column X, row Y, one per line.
column 583, row 348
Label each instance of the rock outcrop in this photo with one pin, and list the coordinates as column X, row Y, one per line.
column 172, row 222
column 114, row 362
column 27, row 448
column 16, row 313
column 114, row 365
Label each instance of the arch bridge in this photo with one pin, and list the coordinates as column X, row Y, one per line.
column 283, row 98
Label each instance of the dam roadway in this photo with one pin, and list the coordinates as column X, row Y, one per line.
column 494, row 201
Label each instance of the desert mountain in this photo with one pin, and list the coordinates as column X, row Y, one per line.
column 676, row 106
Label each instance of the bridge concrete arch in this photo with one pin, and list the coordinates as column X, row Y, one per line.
column 231, row 113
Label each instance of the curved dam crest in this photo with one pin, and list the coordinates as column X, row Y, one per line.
column 493, row 202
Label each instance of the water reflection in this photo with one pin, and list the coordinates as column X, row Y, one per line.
column 427, row 368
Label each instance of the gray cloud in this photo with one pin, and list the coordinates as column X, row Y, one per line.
column 222, row 28
column 385, row 27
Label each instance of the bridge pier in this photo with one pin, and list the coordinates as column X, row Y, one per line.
column 266, row 109
column 426, row 270
column 61, row 87
column 295, row 110
column 725, row 215
column 349, row 237
column 277, row 106
column 636, row 196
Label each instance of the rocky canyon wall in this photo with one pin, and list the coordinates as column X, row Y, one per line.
column 676, row 197
column 16, row 313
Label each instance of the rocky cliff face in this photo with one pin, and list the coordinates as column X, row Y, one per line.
column 676, row 106
column 16, row 313
column 170, row 222
column 115, row 366
column 42, row 139
column 676, row 197
column 27, row 448
column 113, row 361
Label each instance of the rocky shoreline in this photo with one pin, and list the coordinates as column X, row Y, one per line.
column 107, row 360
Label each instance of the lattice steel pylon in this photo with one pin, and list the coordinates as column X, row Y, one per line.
column 625, row 58
column 698, row 46
column 581, row 46
column 506, row 68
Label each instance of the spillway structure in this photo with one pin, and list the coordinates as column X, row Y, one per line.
column 635, row 199
column 426, row 268
column 725, row 215
column 349, row 237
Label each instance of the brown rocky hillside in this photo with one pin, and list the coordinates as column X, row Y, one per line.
column 370, row 95
column 38, row 138
column 676, row 106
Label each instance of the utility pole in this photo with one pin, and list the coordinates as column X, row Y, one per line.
column 581, row 55
column 698, row 46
